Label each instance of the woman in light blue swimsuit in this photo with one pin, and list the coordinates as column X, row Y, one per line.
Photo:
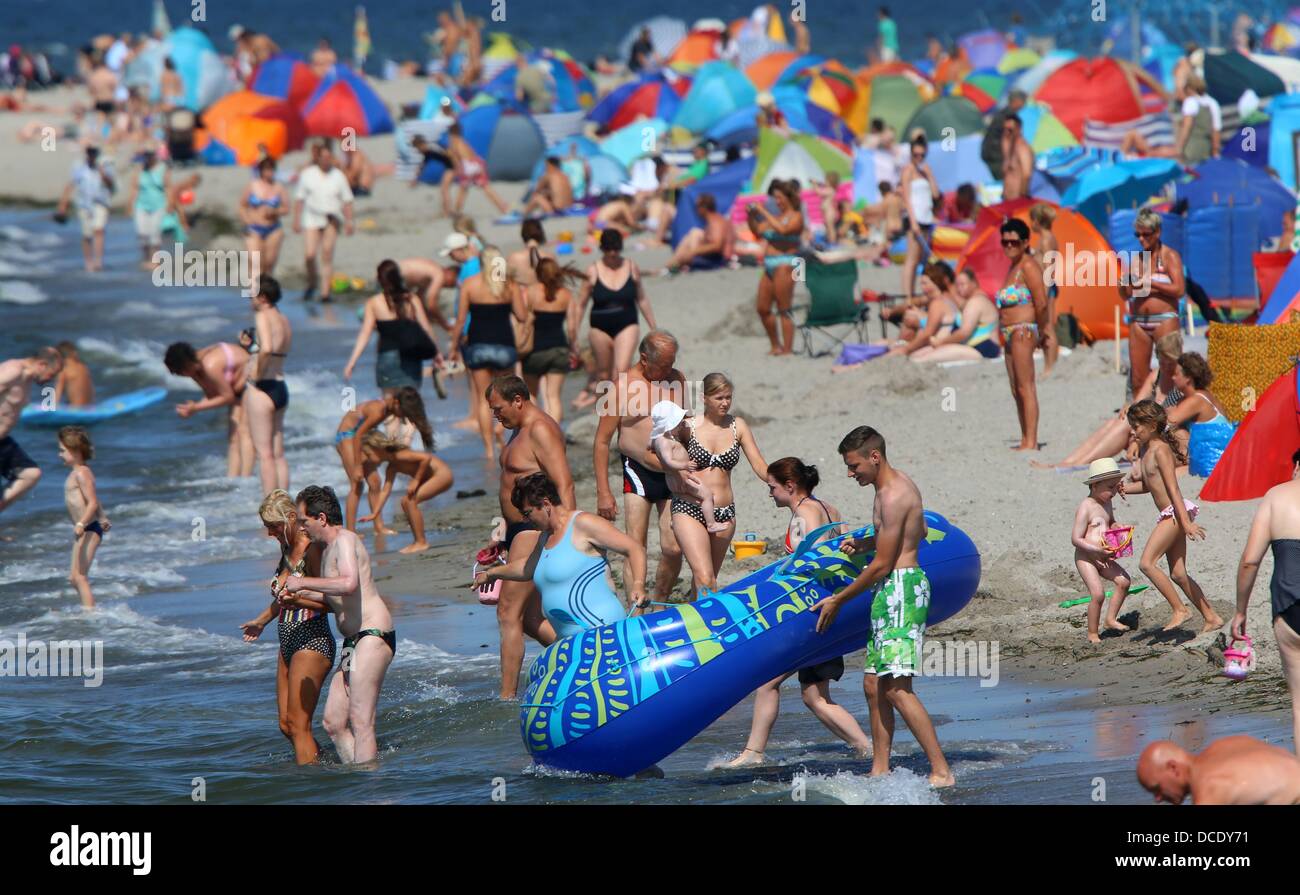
column 263, row 204
column 1022, row 309
column 782, row 234
column 568, row 565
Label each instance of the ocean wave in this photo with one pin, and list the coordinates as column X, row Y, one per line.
column 21, row 292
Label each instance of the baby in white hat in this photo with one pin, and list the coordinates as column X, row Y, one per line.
column 668, row 432
column 1095, row 550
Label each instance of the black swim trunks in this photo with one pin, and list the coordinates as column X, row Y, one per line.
column 643, row 482
column 350, row 647
column 831, row 670
column 13, row 459
column 513, row 529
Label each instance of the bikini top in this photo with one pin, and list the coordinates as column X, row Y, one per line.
column 254, row 201
column 1014, row 295
column 790, row 547
column 705, row 460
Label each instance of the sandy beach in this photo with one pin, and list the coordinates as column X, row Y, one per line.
column 949, row 428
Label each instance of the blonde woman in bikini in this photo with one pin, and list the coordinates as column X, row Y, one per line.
column 1022, row 318
column 1155, row 472
column 1153, row 286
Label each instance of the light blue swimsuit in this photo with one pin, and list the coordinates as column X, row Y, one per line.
column 575, row 592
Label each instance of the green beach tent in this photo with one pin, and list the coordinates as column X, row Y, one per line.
column 894, row 99
column 805, row 157
column 954, row 112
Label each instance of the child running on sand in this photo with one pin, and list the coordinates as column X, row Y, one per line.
column 89, row 521
column 429, row 478
column 1093, row 557
column 667, row 439
column 1155, row 472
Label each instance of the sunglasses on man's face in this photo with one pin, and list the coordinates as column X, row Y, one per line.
column 1011, row 243
column 1143, row 234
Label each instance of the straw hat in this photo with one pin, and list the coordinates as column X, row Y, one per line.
column 664, row 418
column 1103, row 469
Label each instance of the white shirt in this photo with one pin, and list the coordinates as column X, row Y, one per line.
column 323, row 194
column 1193, row 104
column 115, row 58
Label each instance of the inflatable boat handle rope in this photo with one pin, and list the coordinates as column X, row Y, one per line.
column 717, row 636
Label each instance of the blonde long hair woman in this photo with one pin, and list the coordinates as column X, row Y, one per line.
column 491, row 298
column 306, row 641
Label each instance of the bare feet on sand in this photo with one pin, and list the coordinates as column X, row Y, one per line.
column 1212, row 623
column 1180, row 615
column 1116, row 626
column 1094, row 638
column 747, row 758
column 418, row 547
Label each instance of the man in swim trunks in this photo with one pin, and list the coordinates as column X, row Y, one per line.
column 1233, row 770
column 221, row 371
column 369, row 640
column 899, row 603
column 19, row 472
column 1017, row 160
column 624, row 407
column 536, row 445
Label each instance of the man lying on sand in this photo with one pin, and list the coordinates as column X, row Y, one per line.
column 1235, row 770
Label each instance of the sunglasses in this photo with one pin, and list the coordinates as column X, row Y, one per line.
column 1143, row 234
column 1011, row 243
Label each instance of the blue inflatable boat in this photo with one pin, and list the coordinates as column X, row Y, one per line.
column 130, row 402
column 619, row 698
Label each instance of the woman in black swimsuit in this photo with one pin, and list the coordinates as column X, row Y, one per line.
column 717, row 441
column 306, row 641
column 265, row 402
column 550, row 301
column 615, row 291
column 405, row 335
column 491, row 298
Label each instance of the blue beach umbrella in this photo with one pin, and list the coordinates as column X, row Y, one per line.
column 1230, row 181
column 1122, row 184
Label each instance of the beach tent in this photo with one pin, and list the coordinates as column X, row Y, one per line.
column 759, row 35
column 1102, row 90
column 204, row 75
column 1121, row 184
column 946, row 112
column 1064, row 165
column 984, row 48
column 892, row 98
column 740, row 128
column 238, row 122
column 607, row 173
column 1227, row 181
column 571, row 89
column 987, row 81
column 1259, row 455
column 665, row 34
column 717, row 91
column 960, row 164
column 1250, row 144
column 636, row 140
column 1284, row 112
column 1284, row 299
column 800, row 156
column 827, row 84
column 1080, row 245
column 1287, row 69
column 1032, row 78
column 724, row 184
column 1229, row 75
column 768, row 69
column 500, row 54
column 286, row 76
column 344, row 99
column 978, row 97
column 511, row 143
column 1282, row 37
column 1018, row 59
column 1043, row 130
column 696, row 49
column 432, row 104
column 653, row 96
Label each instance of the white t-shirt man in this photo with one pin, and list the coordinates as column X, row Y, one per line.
column 323, row 195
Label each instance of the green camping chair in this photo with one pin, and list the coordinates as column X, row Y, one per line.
column 834, row 313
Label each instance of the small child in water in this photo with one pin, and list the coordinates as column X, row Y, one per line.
column 1156, row 472
column 667, row 433
column 1093, row 557
column 89, row 521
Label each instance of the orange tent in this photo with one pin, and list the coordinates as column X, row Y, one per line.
column 243, row 119
column 696, row 49
column 1086, row 272
column 767, row 69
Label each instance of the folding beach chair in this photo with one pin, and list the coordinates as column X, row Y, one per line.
column 834, row 313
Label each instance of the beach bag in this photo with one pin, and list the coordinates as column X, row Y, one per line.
column 1069, row 333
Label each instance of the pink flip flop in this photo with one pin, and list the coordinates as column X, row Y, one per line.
column 1237, row 663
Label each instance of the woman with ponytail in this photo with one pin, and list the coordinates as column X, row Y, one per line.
column 405, row 336
column 549, row 301
column 791, row 483
column 1156, row 473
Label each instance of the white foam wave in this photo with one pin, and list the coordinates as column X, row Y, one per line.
column 21, row 292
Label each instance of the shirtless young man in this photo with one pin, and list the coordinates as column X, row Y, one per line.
column 369, row 641
column 74, row 387
column 900, row 602
column 624, row 407
column 1233, row 770
column 536, row 445
column 554, row 193
column 221, row 371
column 1017, row 160
column 19, row 472
column 427, row 279
column 707, row 247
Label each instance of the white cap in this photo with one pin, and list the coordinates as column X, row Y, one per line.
column 453, row 242
column 236, row 32
column 664, row 418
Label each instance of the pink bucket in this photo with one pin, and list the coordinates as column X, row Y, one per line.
column 1120, row 538
column 488, row 594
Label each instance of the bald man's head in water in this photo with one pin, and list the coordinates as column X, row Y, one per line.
column 1165, row 770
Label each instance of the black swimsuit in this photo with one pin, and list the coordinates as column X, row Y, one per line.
column 275, row 389
column 1285, row 586
column 613, row 310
